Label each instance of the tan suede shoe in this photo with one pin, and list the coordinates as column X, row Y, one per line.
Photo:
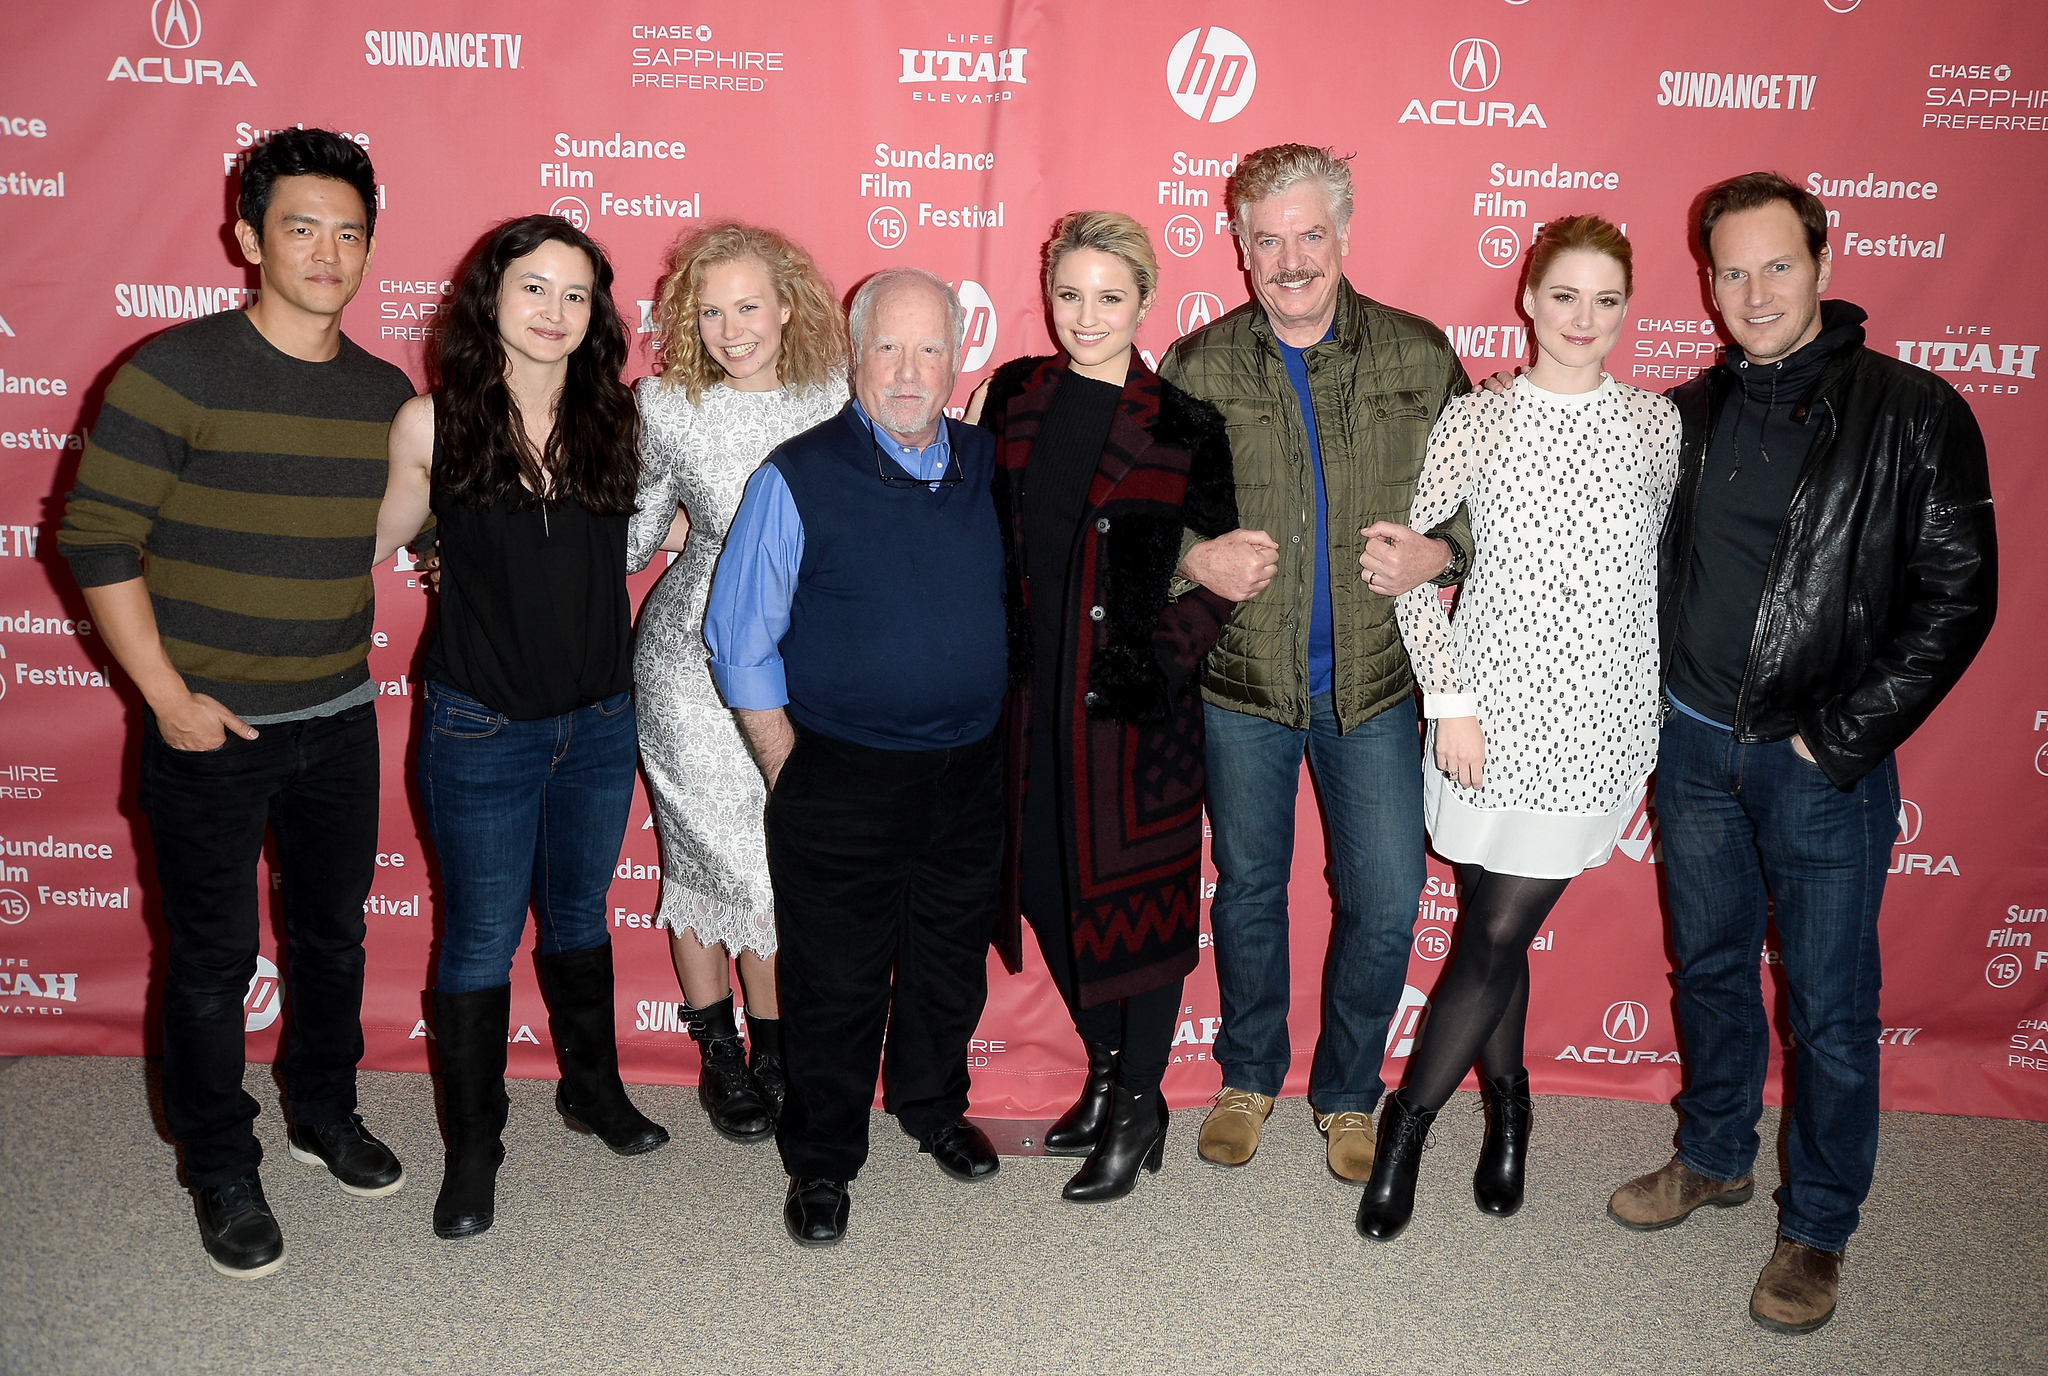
column 1352, row 1144
column 1230, row 1134
column 1796, row 1292
column 1664, row 1198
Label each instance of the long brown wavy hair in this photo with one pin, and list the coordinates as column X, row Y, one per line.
column 592, row 456
column 813, row 342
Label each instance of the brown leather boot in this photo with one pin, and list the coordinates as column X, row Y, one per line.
column 1665, row 1198
column 1796, row 1292
column 1352, row 1144
column 1230, row 1134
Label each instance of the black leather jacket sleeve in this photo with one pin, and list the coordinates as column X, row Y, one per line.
column 1942, row 600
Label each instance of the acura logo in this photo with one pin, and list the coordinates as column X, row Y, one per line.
column 1626, row 1022
column 175, row 22
column 1909, row 822
column 1475, row 65
column 1197, row 309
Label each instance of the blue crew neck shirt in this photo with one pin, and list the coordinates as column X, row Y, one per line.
column 1322, row 635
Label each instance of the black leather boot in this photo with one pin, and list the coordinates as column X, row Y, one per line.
column 591, row 1097
column 1389, row 1200
column 764, row 1062
column 723, row 1085
column 1497, row 1184
column 469, row 1030
column 1080, row 1127
column 1134, row 1136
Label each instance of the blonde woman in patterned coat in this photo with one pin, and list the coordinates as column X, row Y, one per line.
column 753, row 350
column 1542, row 694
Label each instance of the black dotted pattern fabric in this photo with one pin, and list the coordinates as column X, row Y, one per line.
column 1556, row 629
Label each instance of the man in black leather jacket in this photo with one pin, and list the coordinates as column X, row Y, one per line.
column 1828, row 570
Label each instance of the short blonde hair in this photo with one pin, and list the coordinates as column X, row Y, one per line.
column 1105, row 231
column 813, row 342
column 1270, row 171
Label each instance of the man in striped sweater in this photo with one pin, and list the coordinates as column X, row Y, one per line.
column 222, row 529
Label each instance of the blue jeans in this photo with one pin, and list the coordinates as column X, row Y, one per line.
column 1371, row 786
column 523, row 814
column 1753, row 832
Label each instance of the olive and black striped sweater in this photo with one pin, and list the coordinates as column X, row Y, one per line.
column 243, row 485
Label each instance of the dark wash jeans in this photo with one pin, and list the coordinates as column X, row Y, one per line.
column 313, row 785
column 885, row 865
column 522, row 814
column 1371, row 786
column 1749, row 832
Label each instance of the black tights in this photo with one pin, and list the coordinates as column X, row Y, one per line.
column 1482, row 1004
column 1139, row 1028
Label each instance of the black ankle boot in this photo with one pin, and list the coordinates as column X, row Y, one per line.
column 1080, row 1127
column 1497, row 1184
column 469, row 1030
column 1134, row 1136
column 764, row 1063
column 591, row 1097
column 1389, row 1200
column 723, row 1085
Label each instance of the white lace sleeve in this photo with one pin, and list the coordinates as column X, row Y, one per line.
column 1465, row 436
column 661, row 462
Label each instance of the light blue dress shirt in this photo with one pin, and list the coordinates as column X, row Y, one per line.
column 748, row 611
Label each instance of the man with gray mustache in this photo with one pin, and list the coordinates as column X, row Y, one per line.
column 1329, row 398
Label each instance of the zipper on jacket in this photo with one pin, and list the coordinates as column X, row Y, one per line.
column 1815, row 457
column 1692, row 521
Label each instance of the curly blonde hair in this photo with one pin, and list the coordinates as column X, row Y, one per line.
column 813, row 342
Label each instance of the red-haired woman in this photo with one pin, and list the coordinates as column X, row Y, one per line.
column 1542, row 694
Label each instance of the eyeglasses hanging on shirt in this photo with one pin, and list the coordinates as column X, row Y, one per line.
column 952, row 477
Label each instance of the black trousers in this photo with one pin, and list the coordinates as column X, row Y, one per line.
column 885, row 865
column 1139, row 1028
column 313, row 785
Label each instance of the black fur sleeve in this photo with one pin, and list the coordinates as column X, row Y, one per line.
column 1005, row 385
column 1189, row 423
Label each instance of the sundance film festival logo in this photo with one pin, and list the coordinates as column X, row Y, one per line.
column 1211, row 74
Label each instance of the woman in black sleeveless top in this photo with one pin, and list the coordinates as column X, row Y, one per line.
column 526, row 455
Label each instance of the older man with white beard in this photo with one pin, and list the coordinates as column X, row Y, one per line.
column 856, row 626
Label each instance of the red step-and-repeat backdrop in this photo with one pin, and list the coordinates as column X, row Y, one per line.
column 949, row 136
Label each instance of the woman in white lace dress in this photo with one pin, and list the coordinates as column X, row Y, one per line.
column 1542, row 693
column 753, row 351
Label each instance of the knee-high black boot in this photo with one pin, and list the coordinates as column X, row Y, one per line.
column 1134, row 1137
column 469, row 1030
column 578, row 985
column 724, row 1086
column 1503, row 1159
column 1389, row 1200
column 1080, row 1127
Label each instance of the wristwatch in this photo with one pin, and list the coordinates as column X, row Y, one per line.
column 1456, row 569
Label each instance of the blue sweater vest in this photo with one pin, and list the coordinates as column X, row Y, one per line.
column 896, row 635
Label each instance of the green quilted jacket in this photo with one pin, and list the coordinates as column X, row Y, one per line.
column 1377, row 388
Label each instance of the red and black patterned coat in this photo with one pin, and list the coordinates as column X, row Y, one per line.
column 1130, row 718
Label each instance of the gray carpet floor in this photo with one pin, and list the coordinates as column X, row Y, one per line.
column 676, row 1262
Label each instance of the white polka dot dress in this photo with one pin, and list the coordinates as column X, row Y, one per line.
column 1554, row 646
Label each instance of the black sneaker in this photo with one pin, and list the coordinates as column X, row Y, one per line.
column 362, row 1164
column 240, row 1236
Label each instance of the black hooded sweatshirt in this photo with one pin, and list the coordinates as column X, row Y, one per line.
column 1752, row 465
